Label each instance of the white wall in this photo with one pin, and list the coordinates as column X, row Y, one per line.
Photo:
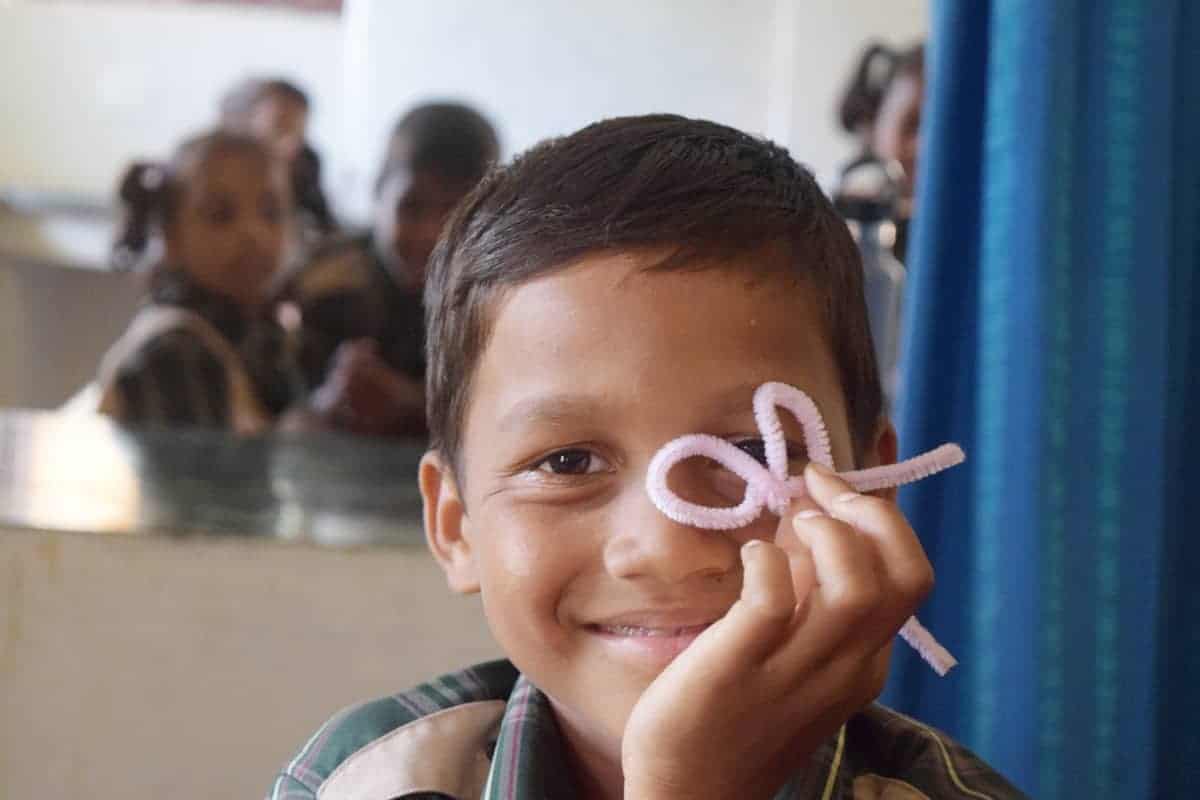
column 541, row 69
column 774, row 67
column 144, row 667
column 85, row 86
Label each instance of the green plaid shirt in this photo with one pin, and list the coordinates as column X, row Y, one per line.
column 486, row 732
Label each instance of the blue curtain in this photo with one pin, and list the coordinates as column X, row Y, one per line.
column 1053, row 327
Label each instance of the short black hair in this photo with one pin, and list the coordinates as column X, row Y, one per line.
column 878, row 66
column 706, row 192
column 451, row 140
column 239, row 102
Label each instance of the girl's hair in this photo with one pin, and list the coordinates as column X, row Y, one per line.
column 451, row 140
column 238, row 103
column 877, row 67
column 149, row 192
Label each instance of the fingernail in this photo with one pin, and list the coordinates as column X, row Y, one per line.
column 846, row 497
column 809, row 513
column 753, row 544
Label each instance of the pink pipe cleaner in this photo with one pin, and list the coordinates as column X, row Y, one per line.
column 773, row 489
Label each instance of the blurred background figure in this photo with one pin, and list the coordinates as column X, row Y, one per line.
column 275, row 112
column 358, row 299
column 881, row 108
column 204, row 349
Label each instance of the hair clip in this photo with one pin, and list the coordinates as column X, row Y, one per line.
column 770, row 487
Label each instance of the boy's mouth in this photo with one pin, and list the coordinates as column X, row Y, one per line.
column 639, row 630
column 651, row 640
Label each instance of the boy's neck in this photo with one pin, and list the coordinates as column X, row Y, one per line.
column 594, row 760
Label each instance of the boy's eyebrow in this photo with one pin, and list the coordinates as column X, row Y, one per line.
column 737, row 398
column 563, row 407
column 549, row 409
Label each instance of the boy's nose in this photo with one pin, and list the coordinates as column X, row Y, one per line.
column 645, row 544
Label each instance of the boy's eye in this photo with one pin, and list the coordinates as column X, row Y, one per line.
column 757, row 449
column 572, row 462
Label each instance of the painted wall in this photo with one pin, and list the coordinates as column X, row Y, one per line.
column 46, row 356
column 87, row 86
column 150, row 668
column 95, row 84
column 775, row 67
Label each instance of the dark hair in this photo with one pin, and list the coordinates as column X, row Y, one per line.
column 238, row 103
column 452, row 140
column 149, row 192
column 877, row 67
column 706, row 191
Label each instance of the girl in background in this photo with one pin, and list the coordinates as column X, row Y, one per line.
column 204, row 349
column 881, row 108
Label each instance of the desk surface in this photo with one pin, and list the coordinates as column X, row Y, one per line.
column 85, row 474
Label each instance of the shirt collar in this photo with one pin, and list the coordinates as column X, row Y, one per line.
column 529, row 762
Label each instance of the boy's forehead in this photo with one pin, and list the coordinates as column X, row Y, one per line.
column 606, row 293
column 608, row 321
column 610, row 349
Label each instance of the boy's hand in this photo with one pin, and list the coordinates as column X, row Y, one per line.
column 805, row 646
column 363, row 394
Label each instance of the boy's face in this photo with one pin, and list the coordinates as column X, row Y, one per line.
column 589, row 589
column 280, row 122
column 410, row 211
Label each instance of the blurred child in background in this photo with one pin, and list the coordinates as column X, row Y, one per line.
column 881, row 107
column 275, row 112
column 204, row 350
column 358, row 299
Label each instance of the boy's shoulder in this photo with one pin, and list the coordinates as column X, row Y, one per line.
column 436, row 741
column 412, row 742
column 886, row 754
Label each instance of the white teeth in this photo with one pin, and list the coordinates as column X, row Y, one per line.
column 634, row 630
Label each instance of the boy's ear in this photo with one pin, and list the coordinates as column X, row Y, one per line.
column 884, row 449
column 446, row 523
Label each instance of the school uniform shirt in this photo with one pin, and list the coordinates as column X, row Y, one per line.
column 176, row 377
column 344, row 293
column 487, row 732
column 308, row 197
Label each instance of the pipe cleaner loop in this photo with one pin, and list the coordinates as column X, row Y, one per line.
column 770, row 487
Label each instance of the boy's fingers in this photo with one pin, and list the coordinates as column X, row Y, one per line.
column 845, row 568
column 905, row 563
column 762, row 615
column 848, row 589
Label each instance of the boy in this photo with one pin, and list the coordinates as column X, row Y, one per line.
column 362, row 343
column 600, row 296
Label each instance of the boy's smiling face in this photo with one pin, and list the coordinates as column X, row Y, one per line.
column 587, row 372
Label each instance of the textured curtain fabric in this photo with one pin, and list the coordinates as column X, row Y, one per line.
column 1053, row 329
